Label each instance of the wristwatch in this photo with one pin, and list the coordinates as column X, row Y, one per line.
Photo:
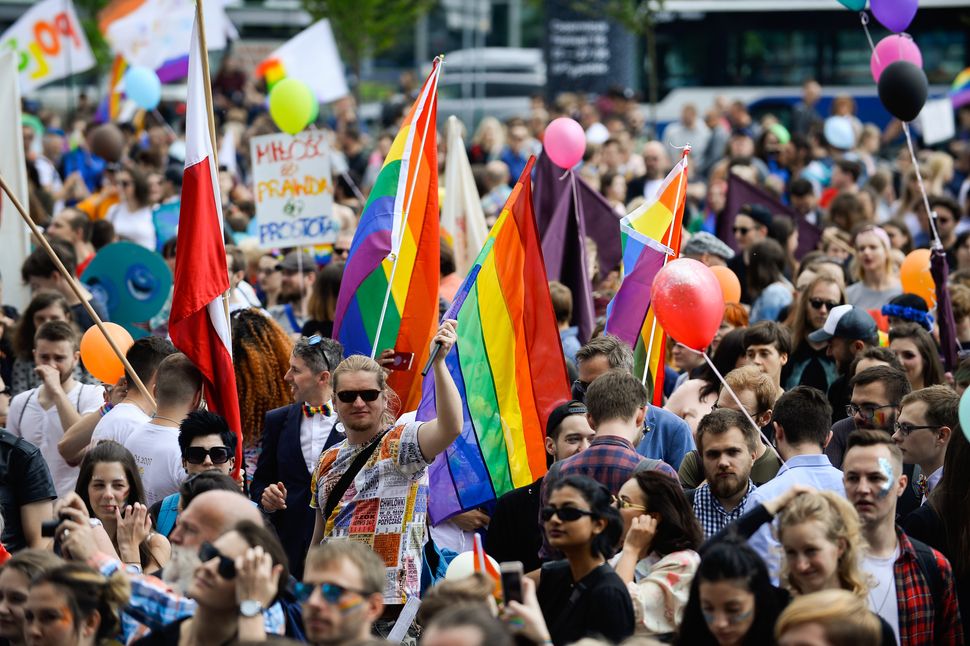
column 250, row 608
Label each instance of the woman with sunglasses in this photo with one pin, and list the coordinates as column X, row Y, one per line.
column 659, row 557
column 582, row 596
column 132, row 215
column 112, row 491
column 239, row 575
column 809, row 364
column 873, row 269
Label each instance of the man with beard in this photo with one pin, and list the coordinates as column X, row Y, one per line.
column 41, row 415
column 341, row 593
column 801, row 418
column 299, row 271
column 294, row 436
column 914, row 588
column 848, row 330
column 727, row 443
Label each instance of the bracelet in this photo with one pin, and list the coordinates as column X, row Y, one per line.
column 133, row 568
column 105, row 409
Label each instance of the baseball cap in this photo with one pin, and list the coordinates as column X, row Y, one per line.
column 295, row 260
column 846, row 322
column 703, row 242
column 561, row 412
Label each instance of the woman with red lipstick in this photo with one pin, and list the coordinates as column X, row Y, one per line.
column 109, row 485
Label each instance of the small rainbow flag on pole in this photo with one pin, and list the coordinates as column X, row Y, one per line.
column 110, row 107
column 389, row 293
column 508, row 365
column 650, row 237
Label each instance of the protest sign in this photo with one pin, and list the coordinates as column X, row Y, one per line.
column 294, row 194
column 49, row 44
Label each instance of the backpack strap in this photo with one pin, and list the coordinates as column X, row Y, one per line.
column 931, row 571
column 167, row 514
column 20, row 420
column 338, row 491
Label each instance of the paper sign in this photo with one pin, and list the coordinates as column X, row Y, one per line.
column 936, row 121
column 294, row 193
column 49, row 44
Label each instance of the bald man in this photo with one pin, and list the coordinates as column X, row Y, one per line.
column 209, row 515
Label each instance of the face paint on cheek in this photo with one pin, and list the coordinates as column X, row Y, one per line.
column 739, row 617
column 348, row 605
column 708, row 617
column 882, row 419
column 887, row 470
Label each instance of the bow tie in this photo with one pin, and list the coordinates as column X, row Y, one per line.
column 310, row 411
column 921, row 485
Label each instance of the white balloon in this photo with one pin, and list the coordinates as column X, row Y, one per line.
column 463, row 566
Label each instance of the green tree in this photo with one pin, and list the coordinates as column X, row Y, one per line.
column 87, row 11
column 366, row 27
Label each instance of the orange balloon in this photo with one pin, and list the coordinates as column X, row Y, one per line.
column 916, row 278
column 97, row 355
column 730, row 285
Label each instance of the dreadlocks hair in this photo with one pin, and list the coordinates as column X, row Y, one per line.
column 261, row 356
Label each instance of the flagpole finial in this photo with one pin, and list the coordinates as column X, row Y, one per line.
column 685, row 149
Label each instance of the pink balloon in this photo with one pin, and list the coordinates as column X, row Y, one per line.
column 688, row 302
column 898, row 47
column 565, row 142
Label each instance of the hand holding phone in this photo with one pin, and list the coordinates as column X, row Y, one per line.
column 511, row 575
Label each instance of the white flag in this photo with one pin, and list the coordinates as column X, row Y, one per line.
column 462, row 217
column 13, row 168
column 311, row 56
column 49, row 44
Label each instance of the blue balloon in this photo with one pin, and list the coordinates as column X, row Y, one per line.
column 839, row 133
column 143, row 87
column 965, row 413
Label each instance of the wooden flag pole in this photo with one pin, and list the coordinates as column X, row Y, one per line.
column 211, row 119
column 76, row 288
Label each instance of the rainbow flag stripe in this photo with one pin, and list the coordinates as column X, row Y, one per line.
column 389, row 293
column 960, row 89
column 650, row 237
column 508, row 364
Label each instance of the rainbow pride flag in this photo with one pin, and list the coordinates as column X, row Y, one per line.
column 960, row 89
column 110, row 107
column 389, row 293
column 508, row 364
column 651, row 237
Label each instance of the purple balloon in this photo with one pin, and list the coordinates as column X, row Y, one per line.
column 898, row 47
column 895, row 15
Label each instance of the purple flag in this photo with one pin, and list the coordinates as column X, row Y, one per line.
column 944, row 310
column 741, row 192
column 564, row 226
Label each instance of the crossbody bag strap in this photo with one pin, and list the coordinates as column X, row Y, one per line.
column 333, row 498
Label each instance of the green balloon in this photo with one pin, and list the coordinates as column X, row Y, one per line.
column 781, row 133
column 291, row 105
column 855, row 5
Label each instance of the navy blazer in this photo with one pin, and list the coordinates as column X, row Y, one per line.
column 281, row 460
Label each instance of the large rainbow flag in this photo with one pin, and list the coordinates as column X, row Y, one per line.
column 389, row 293
column 508, row 364
column 650, row 236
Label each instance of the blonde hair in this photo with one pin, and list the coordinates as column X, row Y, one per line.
column 855, row 267
column 841, row 523
column 844, row 617
column 362, row 363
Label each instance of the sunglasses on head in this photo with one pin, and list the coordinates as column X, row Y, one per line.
column 565, row 514
column 817, row 303
column 227, row 566
column 331, row 592
column 218, row 454
column 350, row 396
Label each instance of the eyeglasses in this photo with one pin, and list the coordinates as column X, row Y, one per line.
column 350, row 396
column 866, row 411
column 218, row 454
column 331, row 592
column 620, row 503
column 817, row 303
column 905, row 429
column 565, row 514
column 742, row 230
column 227, row 566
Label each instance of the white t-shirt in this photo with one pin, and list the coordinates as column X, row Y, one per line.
column 159, row 460
column 314, row 433
column 136, row 226
column 42, row 428
column 882, row 595
column 119, row 423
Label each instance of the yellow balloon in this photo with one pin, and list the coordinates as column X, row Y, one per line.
column 291, row 105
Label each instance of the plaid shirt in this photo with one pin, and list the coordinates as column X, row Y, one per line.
column 917, row 608
column 610, row 460
column 153, row 604
column 711, row 514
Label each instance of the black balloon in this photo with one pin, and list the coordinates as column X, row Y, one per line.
column 902, row 89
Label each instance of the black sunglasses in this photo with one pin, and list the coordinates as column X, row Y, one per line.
column 565, row 514
column 227, row 566
column 742, row 230
column 817, row 303
column 218, row 454
column 350, row 396
column 331, row 592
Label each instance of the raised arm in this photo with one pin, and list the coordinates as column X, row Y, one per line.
column 438, row 434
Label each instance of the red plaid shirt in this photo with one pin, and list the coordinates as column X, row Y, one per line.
column 917, row 609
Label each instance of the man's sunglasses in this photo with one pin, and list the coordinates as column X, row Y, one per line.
column 565, row 514
column 331, row 592
column 227, row 566
column 350, row 396
column 218, row 454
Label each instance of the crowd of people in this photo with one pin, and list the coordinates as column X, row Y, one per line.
column 815, row 495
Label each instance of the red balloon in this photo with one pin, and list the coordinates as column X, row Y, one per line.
column 688, row 302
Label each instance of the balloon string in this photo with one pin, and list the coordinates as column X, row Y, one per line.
column 937, row 243
column 734, row 396
column 864, row 18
